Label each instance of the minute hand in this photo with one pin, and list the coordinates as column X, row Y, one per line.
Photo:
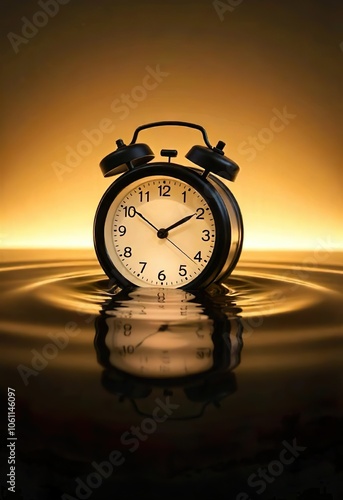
column 178, row 223
column 146, row 220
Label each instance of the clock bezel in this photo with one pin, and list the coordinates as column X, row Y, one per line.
column 194, row 179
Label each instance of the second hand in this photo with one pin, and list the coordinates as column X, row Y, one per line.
column 188, row 257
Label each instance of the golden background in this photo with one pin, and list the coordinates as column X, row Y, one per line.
column 231, row 71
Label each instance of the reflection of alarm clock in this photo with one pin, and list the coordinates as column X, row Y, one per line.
column 162, row 347
column 164, row 333
column 164, row 224
column 156, row 340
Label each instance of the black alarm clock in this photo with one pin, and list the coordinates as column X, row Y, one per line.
column 161, row 224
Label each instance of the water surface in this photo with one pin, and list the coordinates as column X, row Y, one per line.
column 244, row 367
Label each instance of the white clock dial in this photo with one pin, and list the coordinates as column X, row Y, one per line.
column 160, row 232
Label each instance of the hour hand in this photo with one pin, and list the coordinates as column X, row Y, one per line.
column 179, row 222
column 163, row 233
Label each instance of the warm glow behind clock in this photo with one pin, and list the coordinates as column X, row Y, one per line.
column 65, row 92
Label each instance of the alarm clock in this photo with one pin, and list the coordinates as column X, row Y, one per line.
column 162, row 224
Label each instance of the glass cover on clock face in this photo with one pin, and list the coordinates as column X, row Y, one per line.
column 160, row 231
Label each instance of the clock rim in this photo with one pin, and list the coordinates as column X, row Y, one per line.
column 190, row 176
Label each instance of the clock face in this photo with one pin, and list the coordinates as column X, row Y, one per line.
column 160, row 231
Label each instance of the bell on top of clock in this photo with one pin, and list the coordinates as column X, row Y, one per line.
column 162, row 224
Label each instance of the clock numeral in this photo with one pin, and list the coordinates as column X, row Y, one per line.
column 126, row 349
column 206, row 234
column 184, row 196
column 198, row 257
column 164, row 190
column 183, row 270
column 162, row 276
column 183, row 310
column 127, row 329
column 122, row 230
column 127, row 252
column 203, row 352
column 143, row 264
column 129, row 211
column 200, row 335
column 146, row 194
column 200, row 212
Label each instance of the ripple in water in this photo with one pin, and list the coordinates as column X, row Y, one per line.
column 256, row 360
column 267, row 297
